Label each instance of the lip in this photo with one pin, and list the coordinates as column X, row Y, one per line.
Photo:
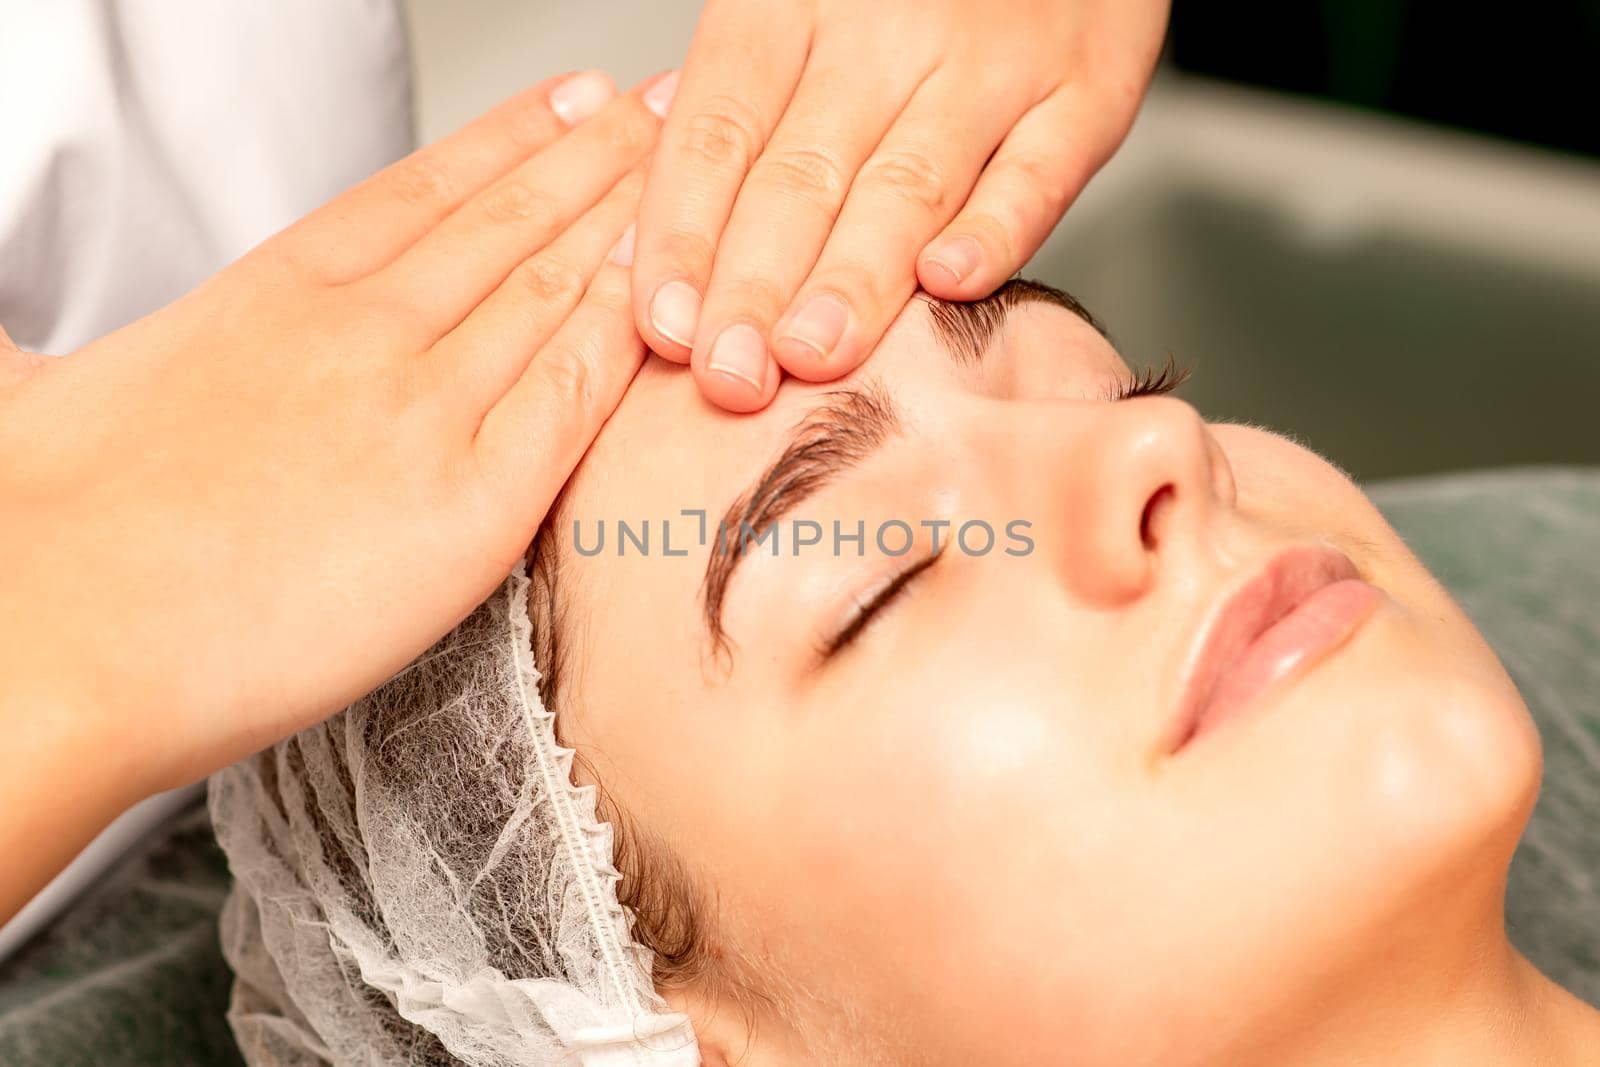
column 1304, row 603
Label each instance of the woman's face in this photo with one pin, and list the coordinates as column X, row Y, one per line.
column 970, row 833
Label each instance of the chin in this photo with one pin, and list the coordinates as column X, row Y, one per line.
column 1454, row 775
column 1438, row 797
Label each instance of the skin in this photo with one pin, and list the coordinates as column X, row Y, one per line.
column 970, row 806
column 367, row 392
column 833, row 155
column 399, row 382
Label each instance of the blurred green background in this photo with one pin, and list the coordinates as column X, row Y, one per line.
column 1401, row 262
column 1345, row 310
column 1391, row 354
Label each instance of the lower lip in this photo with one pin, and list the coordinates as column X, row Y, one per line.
column 1317, row 625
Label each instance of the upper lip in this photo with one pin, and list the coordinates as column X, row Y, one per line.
column 1260, row 600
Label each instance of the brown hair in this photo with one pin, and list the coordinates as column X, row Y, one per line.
column 672, row 912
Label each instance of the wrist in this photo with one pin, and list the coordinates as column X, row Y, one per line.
column 62, row 780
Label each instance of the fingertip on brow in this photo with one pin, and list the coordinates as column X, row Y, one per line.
column 950, row 262
column 808, row 365
column 807, row 341
column 738, row 391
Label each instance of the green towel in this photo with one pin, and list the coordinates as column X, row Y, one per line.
column 1520, row 551
column 132, row 973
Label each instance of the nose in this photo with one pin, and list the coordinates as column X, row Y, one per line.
column 1141, row 483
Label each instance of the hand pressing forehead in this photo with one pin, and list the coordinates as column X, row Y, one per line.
column 824, row 158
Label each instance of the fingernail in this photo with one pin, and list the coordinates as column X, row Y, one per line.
column 819, row 323
column 675, row 311
column 658, row 97
column 740, row 353
column 958, row 255
column 581, row 95
column 622, row 251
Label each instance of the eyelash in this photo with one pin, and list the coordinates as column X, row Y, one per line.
column 1151, row 381
column 1147, row 381
column 880, row 600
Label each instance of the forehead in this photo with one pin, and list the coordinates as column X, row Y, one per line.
column 666, row 449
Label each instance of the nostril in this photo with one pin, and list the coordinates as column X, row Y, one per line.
column 1147, row 522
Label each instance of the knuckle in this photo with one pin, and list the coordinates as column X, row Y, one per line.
column 378, row 313
column 611, row 301
column 281, row 258
column 722, row 133
column 569, row 372
column 912, row 175
column 528, row 125
column 1036, row 197
column 859, row 286
column 549, row 279
column 511, row 201
column 1123, row 92
column 632, row 131
column 1042, row 179
column 632, row 183
column 760, row 295
column 1032, row 169
column 690, row 248
column 806, row 173
column 421, row 180
column 629, row 190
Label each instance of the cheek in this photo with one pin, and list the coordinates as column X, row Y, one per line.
column 935, row 779
column 962, row 816
column 1292, row 488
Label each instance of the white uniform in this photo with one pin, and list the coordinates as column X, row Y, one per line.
column 146, row 143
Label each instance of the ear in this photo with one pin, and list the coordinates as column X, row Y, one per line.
column 731, row 1034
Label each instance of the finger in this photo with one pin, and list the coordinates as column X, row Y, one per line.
column 909, row 188
column 472, row 366
column 442, row 277
column 1036, row 173
column 743, row 64
column 782, row 217
column 365, row 228
column 531, row 441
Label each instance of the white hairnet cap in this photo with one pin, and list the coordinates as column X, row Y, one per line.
column 419, row 881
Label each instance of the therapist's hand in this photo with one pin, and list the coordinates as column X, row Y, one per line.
column 824, row 156
column 15, row 364
column 236, row 515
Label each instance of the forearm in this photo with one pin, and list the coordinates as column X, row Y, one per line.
column 231, row 517
column 63, row 777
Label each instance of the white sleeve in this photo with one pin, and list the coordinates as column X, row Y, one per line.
column 150, row 142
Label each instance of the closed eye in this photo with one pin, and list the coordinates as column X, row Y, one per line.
column 1147, row 381
column 872, row 605
column 1151, row 381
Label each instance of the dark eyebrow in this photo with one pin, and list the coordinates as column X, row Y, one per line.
column 851, row 424
column 966, row 329
column 828, row 441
